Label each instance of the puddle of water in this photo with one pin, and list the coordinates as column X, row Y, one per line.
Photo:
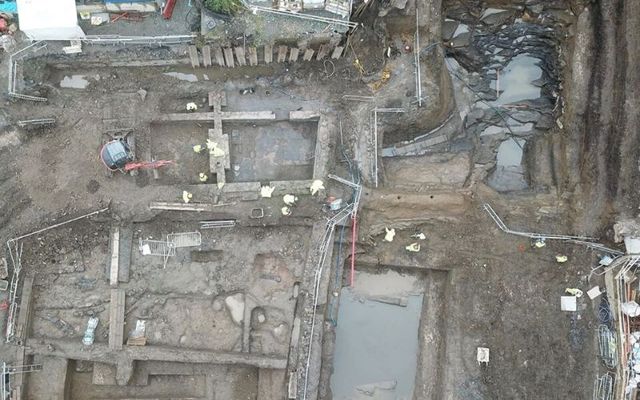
column 510, row 152
column 376, row 349
column 182, row 76
column 516, row 80
column 74, row 82
column 509, row 172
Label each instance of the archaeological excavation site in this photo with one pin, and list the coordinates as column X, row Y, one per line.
column 320, row 200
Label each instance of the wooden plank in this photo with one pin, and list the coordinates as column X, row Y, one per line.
column 282, row 53
column 225, row 115
column 242, row 60
column 337, row 52
column 293, row 55
column 99, row 352
column 218, row 57
column 206, row 55
column 126, row 244
column 322, row 52
column 115, row 257
column 308, row 55
column 193, row 56
column 268, row 53
column 197, row 207
column 228, row 57
column 116, row 319
column 253, row 56
column 24, row 313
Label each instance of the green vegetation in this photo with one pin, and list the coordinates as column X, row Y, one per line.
column 229, row 7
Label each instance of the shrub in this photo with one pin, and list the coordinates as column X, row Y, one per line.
column 229, row 7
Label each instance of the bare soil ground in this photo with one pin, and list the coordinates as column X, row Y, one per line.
column 491, row 289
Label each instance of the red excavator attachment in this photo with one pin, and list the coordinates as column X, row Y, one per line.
column 146, row 165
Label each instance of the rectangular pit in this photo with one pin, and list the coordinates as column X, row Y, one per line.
column 278, row 151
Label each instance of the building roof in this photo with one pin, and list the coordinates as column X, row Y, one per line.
column 49, row 19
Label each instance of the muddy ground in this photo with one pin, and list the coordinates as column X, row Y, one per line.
column 481, row 286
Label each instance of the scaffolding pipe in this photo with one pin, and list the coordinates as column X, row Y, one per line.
column 309, row 17
column 57, row 225
column 349, row 210
column 354, row 227
column 417, row 61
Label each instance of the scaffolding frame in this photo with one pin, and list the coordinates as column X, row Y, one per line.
column 350, row 210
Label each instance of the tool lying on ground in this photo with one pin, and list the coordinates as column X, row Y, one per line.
column 117, row 155
column 127, row 16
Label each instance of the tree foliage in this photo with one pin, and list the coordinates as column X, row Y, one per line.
column 229, row 7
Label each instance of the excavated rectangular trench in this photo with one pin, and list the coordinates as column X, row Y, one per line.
column 388, row 335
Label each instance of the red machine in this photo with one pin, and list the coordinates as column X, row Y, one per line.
column 117, row 155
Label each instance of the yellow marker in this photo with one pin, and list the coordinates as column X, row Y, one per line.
column 203, row 177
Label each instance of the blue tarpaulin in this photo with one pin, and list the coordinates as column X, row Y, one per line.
column 8, row 6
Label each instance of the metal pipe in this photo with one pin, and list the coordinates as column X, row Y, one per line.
column 322, row 251
column 375, row 147
column 532, row 235
column 58, row 225
column 417, row 61
column 310, row 17
column 354, row 235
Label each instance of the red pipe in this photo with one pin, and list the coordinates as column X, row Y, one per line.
column 168, row 9
column 354, row 226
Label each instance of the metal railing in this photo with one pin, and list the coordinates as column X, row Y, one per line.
column 582, row 240
column 607, row 347
column 185, row 239
column 309, row 17
column 12, row 89
column 14, row 247
column 117, row 39
column 603, row 387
